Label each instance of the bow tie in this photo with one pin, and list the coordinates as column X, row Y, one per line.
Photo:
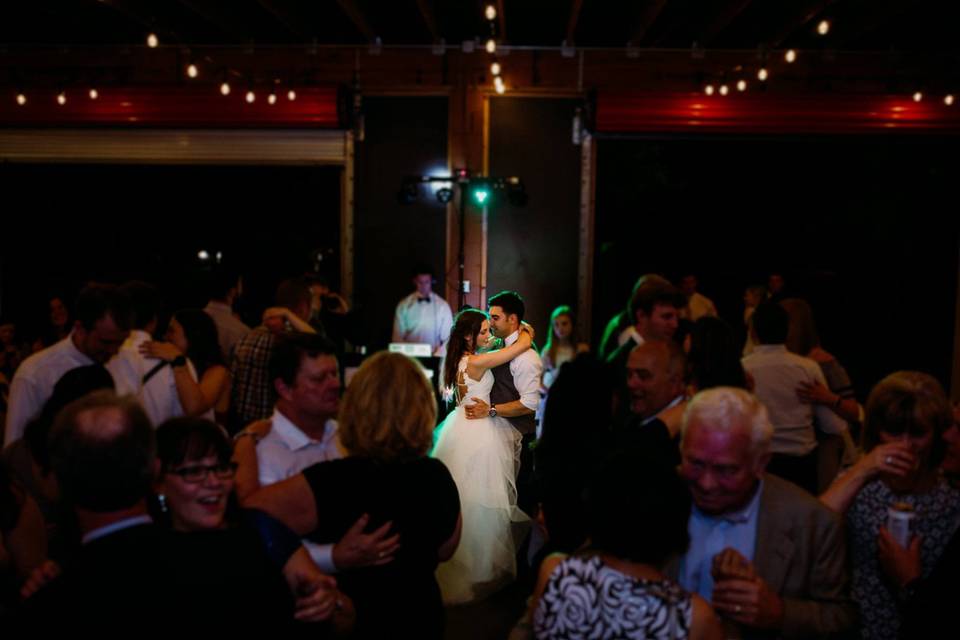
column 423, row 299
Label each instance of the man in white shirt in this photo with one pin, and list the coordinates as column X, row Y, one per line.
column 149, row 379
column 224, row 289
column 102, row 325
column 423, row 316
column 302, row 432
column 777, row 375
column 698, row 305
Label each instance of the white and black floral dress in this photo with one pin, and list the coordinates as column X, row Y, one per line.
column 587, row 599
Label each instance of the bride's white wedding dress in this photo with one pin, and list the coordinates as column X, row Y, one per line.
column 483, row 456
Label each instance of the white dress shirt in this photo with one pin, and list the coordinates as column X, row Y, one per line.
column 229, row 327
column 158, row 395
column 526, row 370
column 423, row 322
column 33, row 384
column 285, row 452
column 777, row 373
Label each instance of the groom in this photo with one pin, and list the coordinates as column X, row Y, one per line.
column 516, row 388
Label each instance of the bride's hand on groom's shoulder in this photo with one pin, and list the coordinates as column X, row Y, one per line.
column 528, row 329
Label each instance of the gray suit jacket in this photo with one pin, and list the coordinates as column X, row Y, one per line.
column 801, row 554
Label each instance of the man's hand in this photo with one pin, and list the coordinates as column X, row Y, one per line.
column 815, row 393
column 317, row 598
column 730, row 564
column 749, row 601
column 39, row 577
column 901, row 565
column 479, row 409
column 359, row 549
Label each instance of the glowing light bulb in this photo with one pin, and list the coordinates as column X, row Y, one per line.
column 823, row 28
column 203, row 255
column 225, row 89
column 498, row 84
column 192, row 71
column 94, row 94
column 948, row 99
column 500, row 89
column 250, row 97
column 61, row 98
column 153, row 41
column 491, row 46
column 724, row 90
column 272, row 98
column 21, row 99
column 741, row 85
column 708, row 89
column 291, row 95
column 917, row 97
column 762, row 75
column 495, row 68
column 790, row 56
column 490, row 13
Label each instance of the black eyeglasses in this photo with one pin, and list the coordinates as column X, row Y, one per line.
column 198, row 473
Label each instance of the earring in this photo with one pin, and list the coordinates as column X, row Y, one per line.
column 162, row 499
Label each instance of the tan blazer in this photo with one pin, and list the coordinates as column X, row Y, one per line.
column 801, row 553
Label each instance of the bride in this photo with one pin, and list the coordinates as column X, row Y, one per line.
column 483, row 456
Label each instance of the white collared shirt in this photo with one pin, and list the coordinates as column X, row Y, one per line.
column 158, row 395
column 286, row 450
column 33, row 384
column 526, row 370
column 426, row 322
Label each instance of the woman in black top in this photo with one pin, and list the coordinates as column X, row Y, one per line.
column 386, row 423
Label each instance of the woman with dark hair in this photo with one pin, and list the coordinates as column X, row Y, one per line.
column 637, row 514
column 385, row 427
column 191, row 339
column 483, row 456
column 194, row 495
column 907, row 414
column 714, row 356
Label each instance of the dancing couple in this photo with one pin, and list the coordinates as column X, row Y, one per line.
column 482, row 442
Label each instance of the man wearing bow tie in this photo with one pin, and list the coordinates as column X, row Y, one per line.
column 423, row 316
column 769, row 557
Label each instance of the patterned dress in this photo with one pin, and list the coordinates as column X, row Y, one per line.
column 937, row 516
column 587, row 599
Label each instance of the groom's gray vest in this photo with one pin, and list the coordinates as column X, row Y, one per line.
column 505, row 391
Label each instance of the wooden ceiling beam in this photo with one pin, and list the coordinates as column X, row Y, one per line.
column 729, row 13
column 575, row 8
column 430, row 20
column 646, row 19
column 285, row 17
column 359, row 20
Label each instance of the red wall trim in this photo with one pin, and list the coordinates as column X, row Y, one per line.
column 180, row 106
column 640, row 112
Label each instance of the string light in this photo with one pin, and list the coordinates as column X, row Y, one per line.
column 491, row 46
column 495, row 68
column 94, row 94
column 192, row 71
column 272, row 98
column 21, row 99
column 724, row 90
column 708, row 89
column 153, row 41
column 61, row 98
column 762, row 74
column 250, row 97
column 498, row 85
column 790, row 56
column 948, row 99
column 490, row 13
column 741, row 85
column 291, row 95
column 824, row 27
column 225, row 88
column 917, row 97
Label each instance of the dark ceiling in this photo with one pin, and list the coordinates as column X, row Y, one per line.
column 865, row 25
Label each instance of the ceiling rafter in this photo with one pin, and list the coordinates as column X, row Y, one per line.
column 429, row 19
column 575, row 8
column 285, row 17
column 645, row 20
column 359, row 20
column 729, row 13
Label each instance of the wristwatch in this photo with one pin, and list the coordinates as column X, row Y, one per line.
column 179, row 361
column 493, row 411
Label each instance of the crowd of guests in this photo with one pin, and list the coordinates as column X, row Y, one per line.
column 687, row 482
